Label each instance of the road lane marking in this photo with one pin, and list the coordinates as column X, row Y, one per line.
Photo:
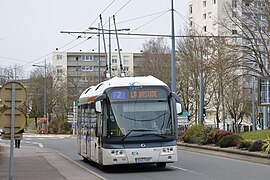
column 35, row 143
column 183, row 169
column 39, row 144
column 96, row 174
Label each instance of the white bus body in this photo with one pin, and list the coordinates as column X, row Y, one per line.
column 128, row 120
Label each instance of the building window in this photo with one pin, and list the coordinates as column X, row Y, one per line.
column 234, row 3
column 59, row 57
column 114, row 59
column 234, row 14
column 87, row 58
column 126, row 60
column 247, row 2
column 214, row 1
column 59, row 70
column 126, row 69
column 215, row 27
column 204, row 28
column 87, row 68
column 114, row 68
column 210, row 15
column 190, row 9
column 204, row 3
column 84, row 78
column 204, row 16
column 234, row 31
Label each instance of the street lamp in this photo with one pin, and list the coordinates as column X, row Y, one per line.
column 45, row 94
column 109, row 30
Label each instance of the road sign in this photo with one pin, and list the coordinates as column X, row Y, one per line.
column 73, row 126
column 5, row 123
column 18, row 136
column 6, row 95
column 184, row 114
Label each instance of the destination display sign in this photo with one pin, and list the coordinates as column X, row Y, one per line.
column 142, row 93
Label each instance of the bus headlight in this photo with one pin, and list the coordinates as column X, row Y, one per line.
column 167, row 150
column 117, row 152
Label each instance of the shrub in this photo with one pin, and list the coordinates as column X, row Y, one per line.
column 190, row 136
column 57, row 126
column 266, row 147
column 243, row 144
column 199, row 134
column 256, row 146
column 229, row 140
column 206, row 135
column 220, row 134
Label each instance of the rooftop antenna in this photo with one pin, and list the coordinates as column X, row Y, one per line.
column 106, row 75
column 123, row 73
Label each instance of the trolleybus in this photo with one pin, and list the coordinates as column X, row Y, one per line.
column 128, row 120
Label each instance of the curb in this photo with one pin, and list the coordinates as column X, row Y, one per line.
column 227, row 150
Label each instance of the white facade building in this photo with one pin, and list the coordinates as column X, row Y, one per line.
column 205, row 15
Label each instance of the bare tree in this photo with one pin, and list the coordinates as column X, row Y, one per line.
column 193, row 57
column 156, row 60
column 249, row 23
column 237, row 104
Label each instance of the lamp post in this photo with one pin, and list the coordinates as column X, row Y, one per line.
column 109, row 30
column 45, row 94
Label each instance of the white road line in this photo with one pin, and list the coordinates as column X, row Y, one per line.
column 183, row 169
column 81, row 166
column 39, row 144
column 35, row 143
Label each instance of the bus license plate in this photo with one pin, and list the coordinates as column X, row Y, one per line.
column 143, row 160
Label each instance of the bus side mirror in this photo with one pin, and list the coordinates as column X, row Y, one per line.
column 178, row 108
column 177, row 99
column 98, row 106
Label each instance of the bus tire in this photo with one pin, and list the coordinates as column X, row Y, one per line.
column 161, row 165
column 85, row 159
column 101, row 167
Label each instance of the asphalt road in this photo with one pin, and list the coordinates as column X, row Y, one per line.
column 190, row 165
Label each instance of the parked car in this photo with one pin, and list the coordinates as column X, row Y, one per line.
column 1, row 131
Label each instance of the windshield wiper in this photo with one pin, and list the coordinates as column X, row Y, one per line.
column 135, row 130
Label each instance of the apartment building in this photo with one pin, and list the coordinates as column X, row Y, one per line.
column 80, row 70
column 204, row 16
column 246, row 22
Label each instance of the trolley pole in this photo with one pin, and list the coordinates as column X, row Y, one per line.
column 173, row 70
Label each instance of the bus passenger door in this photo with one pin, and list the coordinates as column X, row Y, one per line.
column 94, row 139
column 84, row 141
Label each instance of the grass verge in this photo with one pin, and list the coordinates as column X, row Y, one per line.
column 254, row 135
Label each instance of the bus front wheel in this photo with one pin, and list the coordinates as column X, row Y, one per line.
column 161, row 165
column 85, row 160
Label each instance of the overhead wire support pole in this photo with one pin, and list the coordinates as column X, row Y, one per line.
column 201, row 88
column 13, row 98
column 173, row 71
column 45, row 93
column 110, row 49
column 173, row 61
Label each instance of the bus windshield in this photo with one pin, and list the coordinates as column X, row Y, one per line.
column 142, row 116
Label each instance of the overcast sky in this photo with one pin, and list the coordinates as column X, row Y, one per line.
column 30, row 29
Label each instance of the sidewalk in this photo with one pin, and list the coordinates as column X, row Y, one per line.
column 40, row 163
